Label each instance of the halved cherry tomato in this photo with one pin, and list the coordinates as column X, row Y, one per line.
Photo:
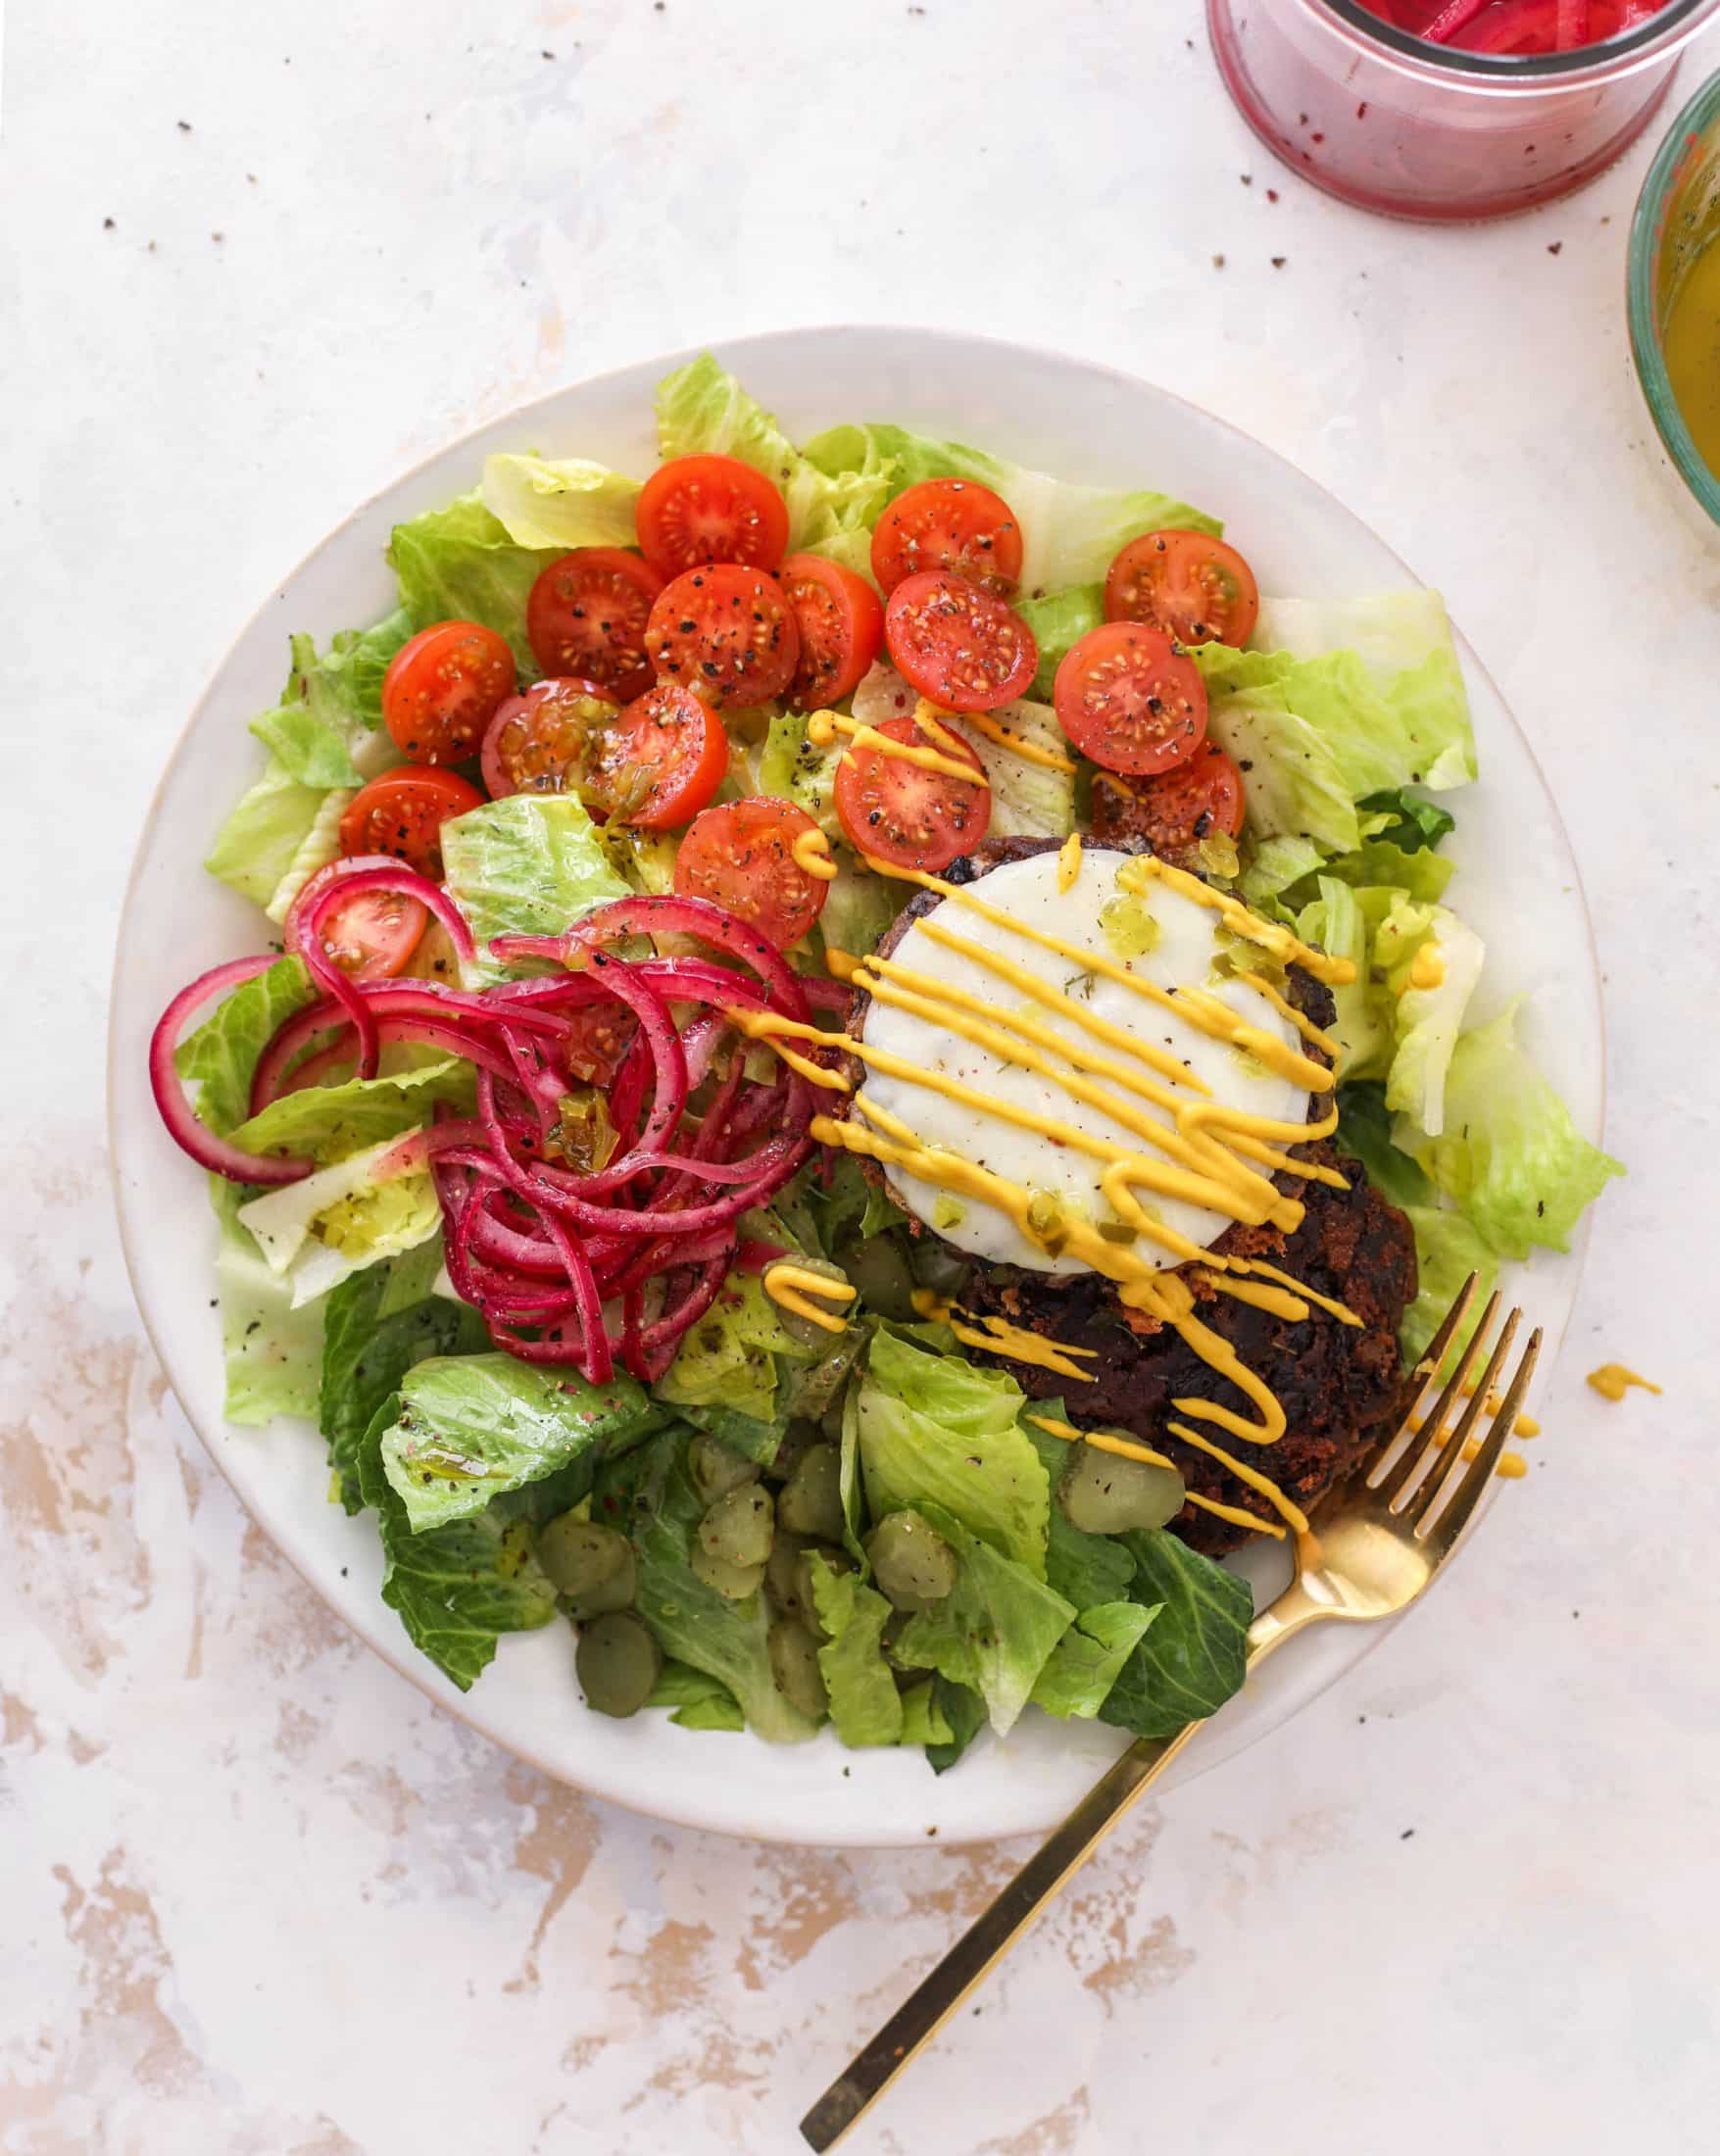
column 952, row 524
column 726, row 631
column 841, row 624
column 537, row 741
column 960, row 646
column 442, row 689
column 1127, row 698
column 1174, row 811
column 586, row 616
column 403, row 813
column 1192, row 586
column 709, row 509
column 741, row 854
column 905, row 815
column 658, row 762
column 373, row 933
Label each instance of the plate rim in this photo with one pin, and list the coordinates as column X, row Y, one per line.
column 734, row 352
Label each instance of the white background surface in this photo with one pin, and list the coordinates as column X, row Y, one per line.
column 256, row 1895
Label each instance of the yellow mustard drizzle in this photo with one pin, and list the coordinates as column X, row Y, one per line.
column 1143, row 869
column 1612, row 1380
column 1206, row 1013
column 823, row 727
column 1030, row 752
column 1069, row 861
column 811, row 854
column 841, row 965
column 789, row 1286
column 1196, row 1156
column 1000, row 1338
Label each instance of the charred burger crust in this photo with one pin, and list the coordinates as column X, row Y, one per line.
column 1338, row 1384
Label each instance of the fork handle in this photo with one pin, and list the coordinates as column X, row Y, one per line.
column 927, row 2008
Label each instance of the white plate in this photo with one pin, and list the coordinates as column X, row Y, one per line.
column 1519, row 886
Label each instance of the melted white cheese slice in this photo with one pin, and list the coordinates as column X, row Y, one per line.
column 1186, row 939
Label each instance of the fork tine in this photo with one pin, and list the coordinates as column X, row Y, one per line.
column 1447, row 1461
column 1433, row 1353
column 1444, row 1531
column 1403, row 1475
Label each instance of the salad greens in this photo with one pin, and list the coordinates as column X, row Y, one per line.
column 1348, row 720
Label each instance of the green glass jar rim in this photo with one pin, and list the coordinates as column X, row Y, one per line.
column 1693, row 123
column 1524, row 70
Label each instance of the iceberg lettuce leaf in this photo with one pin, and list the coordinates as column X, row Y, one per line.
column 994, row 1631
column 1508, row 1154
column 866, row 1707
column 529, row 864
column 934, row 1429
column 560, row 502
column 1191, row 1657
column 471, row 1427
column 459, row 564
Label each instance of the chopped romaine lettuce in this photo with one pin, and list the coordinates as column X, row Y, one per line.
column 963, row 1715
column 1060, row 619
column 260, row 840
column 1087, row 1660
column 728, row 1358
column 864, row 1705
column 1509, row 1155
column 1404, row 820
column 699, row 1702
column 1432, row 963
column 326, row 1123
column 272, row 1349
column 994, row 1630
column 320, row 845
column 377, row 1327
column 1069, row 533
column 1191, row 1659
column 458, row 563
column 332, row 702
column 220, row 1057
column 1448, row 1250
column 1293, row 781
column 935, row 1429
column 702, row 408
column 529, row 864
column 318, row 1232
column 560, row 502
column 457, row 1587
column 470, row 1427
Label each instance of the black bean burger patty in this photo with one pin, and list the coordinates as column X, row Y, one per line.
column 1337, row 1383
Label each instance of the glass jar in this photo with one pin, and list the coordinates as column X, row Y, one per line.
column 1677, row 220
column 1418, row 130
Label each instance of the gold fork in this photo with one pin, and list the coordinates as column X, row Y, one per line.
column 1373, row 1549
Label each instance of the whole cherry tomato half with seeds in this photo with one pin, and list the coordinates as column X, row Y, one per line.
column 442, row 689
column 537, row 742
column 1190, row 585
column 373, row 933
column 1174, row 811
column 657, row 762
column 954, row 524
column 727, row 632
column 401, row 814
column 709, row 509
column 841, row 623
column 587, row 615
column 902, row 812
column 741, row 854
column 1130, row 699
column 957, row 643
